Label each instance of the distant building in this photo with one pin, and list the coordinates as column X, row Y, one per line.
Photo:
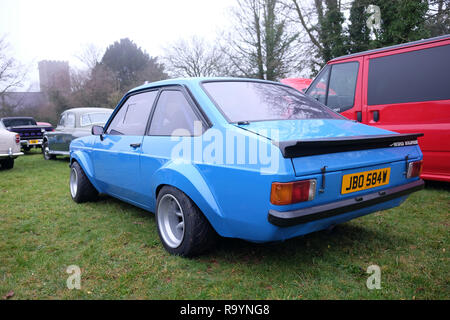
column 54, row 75
column 22, row 100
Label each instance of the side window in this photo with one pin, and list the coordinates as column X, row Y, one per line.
column 172, row 112
column 341, row 90
column 421, row 75
column 70, row 120
column 337, row 90
column 85, row 120
column 318, row 88
column 62, row 120
column 133, row 115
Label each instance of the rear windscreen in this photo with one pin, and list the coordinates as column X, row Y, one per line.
column 18, row 122
column 259, row 101
column 422, row 75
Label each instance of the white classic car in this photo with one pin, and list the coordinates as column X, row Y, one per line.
column 9, row 147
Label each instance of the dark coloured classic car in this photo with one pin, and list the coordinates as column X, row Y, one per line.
column 74, row 123
column 30, row 133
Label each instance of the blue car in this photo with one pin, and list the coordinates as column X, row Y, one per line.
column 240, row 158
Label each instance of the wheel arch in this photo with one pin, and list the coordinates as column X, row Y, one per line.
column 188, row 179
column 86, row 164
column 47, row 137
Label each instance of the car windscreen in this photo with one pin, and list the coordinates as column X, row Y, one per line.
column 18, row 122
column 89, row 119
column 259, row 101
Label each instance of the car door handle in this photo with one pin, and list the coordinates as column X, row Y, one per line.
column 359, row 116
column 376, row 116
column 135, row 145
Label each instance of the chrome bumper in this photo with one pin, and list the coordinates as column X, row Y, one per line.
column 27, row 143
column 10, row 154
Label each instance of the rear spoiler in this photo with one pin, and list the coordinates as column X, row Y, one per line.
column 302, row 148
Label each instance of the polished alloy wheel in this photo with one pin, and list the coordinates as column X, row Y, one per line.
column 171, row 221
column 73, row 182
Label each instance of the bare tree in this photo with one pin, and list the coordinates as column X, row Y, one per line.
column 90, row 55
column 320, row 25
column 79, row 78
column 12, row 73
column 12, row 76
column 194, row 58
column 94, row 88
column 261, row 42
column 438, row 17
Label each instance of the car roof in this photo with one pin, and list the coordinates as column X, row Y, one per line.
column 87, row 110
column 195, row 81
column 398, row 46
column 13, row 118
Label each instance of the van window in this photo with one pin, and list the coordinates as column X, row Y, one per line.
column 319, row 86
column 339, row 87
column 341, row 90
column 421, row 75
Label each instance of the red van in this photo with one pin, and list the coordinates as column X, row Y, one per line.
column 301, row 84
column 403, row 88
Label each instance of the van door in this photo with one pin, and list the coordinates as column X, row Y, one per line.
column 407, row 91
column 339, row 87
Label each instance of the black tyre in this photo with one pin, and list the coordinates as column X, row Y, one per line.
column 182, row 227
column 7, row 163
column 26, row 149
column 81, row 188
column 46, row 152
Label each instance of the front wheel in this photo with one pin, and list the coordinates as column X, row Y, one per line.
column 7, row 163
column 81, row 188
column 182, row 227
column 46, row 152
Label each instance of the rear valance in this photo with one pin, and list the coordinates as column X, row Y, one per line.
column 301, row 148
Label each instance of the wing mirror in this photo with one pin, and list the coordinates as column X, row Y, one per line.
column 97, row 130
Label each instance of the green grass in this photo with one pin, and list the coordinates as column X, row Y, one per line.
column 42, row 232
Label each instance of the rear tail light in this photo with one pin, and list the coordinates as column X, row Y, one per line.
column 292, row 192
column 414, row 169
column 17, row 138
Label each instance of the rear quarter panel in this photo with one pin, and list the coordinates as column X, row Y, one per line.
column 233, row 197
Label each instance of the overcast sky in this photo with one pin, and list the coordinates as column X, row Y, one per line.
column 58, row 29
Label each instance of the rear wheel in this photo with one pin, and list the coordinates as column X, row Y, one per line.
column 81, row 188
column 7, row 163
column 26, row 149
column 46, row 152
column 182, row 227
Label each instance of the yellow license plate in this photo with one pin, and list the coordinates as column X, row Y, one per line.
column 33, row 142
column 365, row 180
